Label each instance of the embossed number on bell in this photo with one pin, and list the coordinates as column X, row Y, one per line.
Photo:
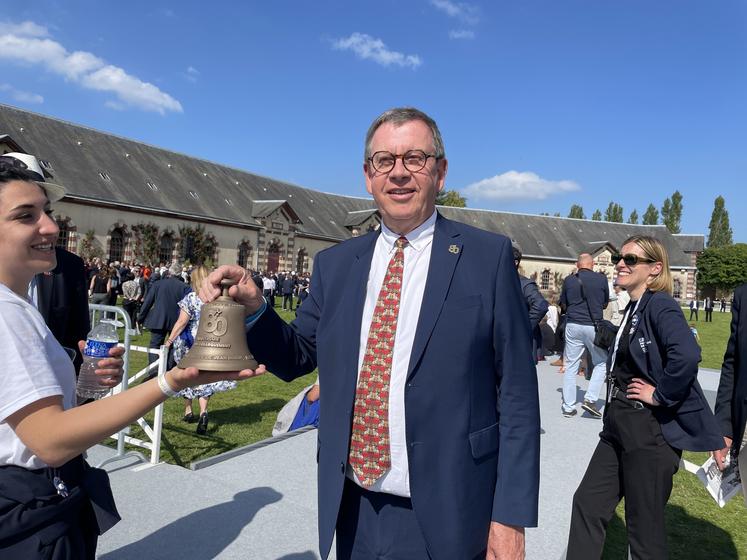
column 220, row 343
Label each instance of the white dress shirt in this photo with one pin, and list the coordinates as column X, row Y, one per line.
column 417, row 260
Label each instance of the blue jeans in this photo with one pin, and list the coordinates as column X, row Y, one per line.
column 577, row 338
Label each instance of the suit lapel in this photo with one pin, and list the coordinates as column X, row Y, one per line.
column 445, row 253
column 636, row 320
column 355, row 299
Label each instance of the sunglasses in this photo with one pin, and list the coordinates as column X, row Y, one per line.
column 629, row 259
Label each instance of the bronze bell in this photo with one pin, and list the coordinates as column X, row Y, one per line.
column 220, row 342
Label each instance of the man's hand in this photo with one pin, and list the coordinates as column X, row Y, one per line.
column 245, row 291
column 505, row 542
column 720, row 454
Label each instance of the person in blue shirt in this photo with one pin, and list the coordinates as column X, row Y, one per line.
column 583, row 298
column 655, row 409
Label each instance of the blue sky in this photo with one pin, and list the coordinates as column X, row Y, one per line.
column 542, row 104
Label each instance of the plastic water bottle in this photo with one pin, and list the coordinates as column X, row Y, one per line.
column 100, row 340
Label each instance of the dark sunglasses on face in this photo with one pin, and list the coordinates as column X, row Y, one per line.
column 630, row 259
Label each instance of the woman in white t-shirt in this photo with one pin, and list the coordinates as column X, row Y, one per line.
column 47, row 491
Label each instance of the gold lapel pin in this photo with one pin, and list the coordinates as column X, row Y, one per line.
column 454, row 249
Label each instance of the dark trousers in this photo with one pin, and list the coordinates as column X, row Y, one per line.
column 631, row 461
column 695, row 311
column 377, row 526
column 157, row 337
column 709, row 315
column 288, row 299
column 36, row 523
column 130, row 307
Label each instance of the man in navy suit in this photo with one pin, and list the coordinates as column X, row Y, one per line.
column 731, row 400
column 461, row 459
column 160, row 311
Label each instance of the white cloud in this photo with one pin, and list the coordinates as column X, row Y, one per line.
column 518, row 185
column 192, row 74
column 370, row 48
column 25, row 28
column 29, row 44
column 21, row 96
column 462, row 11
column 461, row 34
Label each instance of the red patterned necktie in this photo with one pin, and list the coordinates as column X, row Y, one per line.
column 369, row 440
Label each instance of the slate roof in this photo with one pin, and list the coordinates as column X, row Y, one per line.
column 194, row 187
column 691, row 243
column 357, row 217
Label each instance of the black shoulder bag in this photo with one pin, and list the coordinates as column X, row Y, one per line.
column 604, row 331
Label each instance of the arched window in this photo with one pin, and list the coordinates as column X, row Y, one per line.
column 166, row 248
column 188, row 248
column 545, row 280
column 273, row 257
column 63, row 239
column 116, row 245
column 301, row 261
column 245, row 252
column 677, row 289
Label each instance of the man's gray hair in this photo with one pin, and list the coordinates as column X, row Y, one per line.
column 175, row 269
column 402, row 115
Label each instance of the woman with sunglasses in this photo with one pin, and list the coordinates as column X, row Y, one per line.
column 52, row 504
column 655, row 409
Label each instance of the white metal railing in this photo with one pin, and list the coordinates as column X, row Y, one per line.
column 152, row 433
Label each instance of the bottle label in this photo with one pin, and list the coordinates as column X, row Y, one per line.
column 98, row 348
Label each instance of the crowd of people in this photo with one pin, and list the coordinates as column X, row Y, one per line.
column 427, row 348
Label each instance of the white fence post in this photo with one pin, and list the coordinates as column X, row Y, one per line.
column 153, row 442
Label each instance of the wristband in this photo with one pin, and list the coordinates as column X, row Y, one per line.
column 165, row 387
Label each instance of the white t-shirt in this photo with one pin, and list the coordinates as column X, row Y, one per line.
column 34, row 366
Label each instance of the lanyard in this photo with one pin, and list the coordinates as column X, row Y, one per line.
column 623, row 325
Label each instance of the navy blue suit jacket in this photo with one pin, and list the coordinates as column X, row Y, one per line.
column 663, row 347
column 160, row 309
column 731, row 401
column 471, row 403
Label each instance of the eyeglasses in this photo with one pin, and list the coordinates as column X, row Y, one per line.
column 8, row 163
column 630, row 259
column 413, row 160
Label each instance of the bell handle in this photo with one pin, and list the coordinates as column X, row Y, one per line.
column 225, row 284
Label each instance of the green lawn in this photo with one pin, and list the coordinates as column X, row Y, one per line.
column 713, row 337
column 239, row 417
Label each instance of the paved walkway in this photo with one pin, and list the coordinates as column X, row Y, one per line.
column 262, row 504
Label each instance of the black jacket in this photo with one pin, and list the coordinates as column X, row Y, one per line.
column 663, row 347
column 731, row 401
column 63, row 301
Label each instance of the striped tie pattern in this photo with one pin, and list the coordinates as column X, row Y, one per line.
column 369, row 441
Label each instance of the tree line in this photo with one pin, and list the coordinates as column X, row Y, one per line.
column 670, row 215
